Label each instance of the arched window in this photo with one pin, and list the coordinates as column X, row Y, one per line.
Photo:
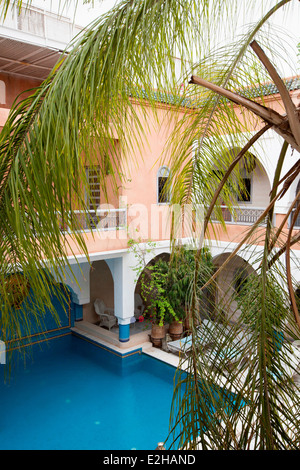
column 245, row 191
column 92, row 194
column 249, row 165
column 163, row 190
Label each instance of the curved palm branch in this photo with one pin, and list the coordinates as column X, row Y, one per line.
column 84, row 111
column 84, row 108
column 270, row 418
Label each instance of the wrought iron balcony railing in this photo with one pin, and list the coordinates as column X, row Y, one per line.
column 240, row 215
column 104, row 219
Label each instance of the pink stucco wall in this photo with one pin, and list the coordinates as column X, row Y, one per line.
column 138, row 191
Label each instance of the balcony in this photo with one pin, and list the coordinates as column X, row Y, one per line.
column 33, row 41
column 240, row 215
column 103, row 220
column 39, row 25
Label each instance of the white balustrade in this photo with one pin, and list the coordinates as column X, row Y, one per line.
column 104, row 219
column 240, row 215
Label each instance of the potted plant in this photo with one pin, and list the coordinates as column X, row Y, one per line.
column 175, row 295
column 180, row 282
column 165, row 287
column 158, row 309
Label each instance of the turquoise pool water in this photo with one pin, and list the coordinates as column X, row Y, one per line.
column 75, row 395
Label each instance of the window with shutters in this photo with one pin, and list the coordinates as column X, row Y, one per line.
column 93, row 194
column 244, row 193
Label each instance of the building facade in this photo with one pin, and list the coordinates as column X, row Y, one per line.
column 140, row 210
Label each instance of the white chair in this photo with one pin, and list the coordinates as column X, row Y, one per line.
column 106, row 315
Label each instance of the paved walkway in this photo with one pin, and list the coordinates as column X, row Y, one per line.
column 140, row 343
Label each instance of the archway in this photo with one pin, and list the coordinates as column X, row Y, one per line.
column 102, row 288
column 249, row 184
column 229, row 284
column 141, row 304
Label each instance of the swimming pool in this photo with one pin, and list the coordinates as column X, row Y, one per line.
column 75, row 395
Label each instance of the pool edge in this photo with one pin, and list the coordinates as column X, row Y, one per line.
column 122, row 353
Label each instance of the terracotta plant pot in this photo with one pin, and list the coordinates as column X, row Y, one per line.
column 176, row 330
column 157, row 335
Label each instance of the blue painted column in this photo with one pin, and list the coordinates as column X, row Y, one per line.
column 78, row 311
column 124, row 332
column 124, row 276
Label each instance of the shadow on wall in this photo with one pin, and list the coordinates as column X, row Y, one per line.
column 101, row 287
column 228, row 282
column 43, row 325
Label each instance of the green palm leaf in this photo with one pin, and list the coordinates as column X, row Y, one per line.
column 87, row 104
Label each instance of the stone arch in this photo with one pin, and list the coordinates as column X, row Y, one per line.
column 101, row 287
column 254, row 169
column 150, row 255
column 228, row 283
column 253, row 158
column 164, row 255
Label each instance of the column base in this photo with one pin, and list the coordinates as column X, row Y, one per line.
column 124, row 333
